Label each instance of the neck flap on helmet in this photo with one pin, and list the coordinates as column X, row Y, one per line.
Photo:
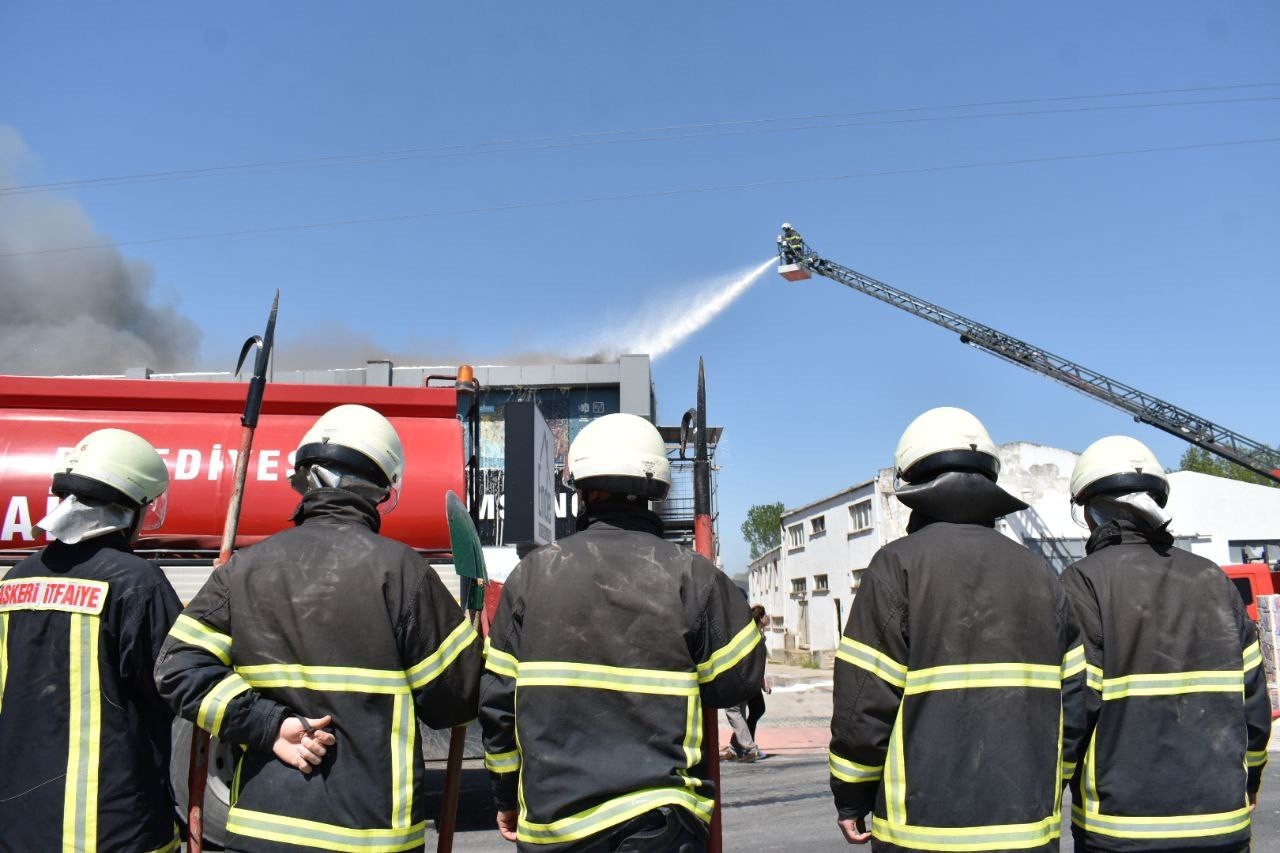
column 959, row 497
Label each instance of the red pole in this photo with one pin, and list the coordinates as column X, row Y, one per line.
column 198, row 765
column 704, row 544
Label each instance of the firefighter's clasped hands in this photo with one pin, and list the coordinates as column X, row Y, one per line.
column 302, row 745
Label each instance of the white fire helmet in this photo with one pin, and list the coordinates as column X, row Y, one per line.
column 786, row 226
column 622, row 454
column 358, row 438
column 1118, row 463
column 945, row 439
column 117, row 467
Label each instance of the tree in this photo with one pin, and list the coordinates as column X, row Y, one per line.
column 763, row 528
column 1204, row 462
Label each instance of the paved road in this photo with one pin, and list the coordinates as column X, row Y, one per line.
column 783, row 803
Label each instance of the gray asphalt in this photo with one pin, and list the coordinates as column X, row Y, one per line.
column 783, row 803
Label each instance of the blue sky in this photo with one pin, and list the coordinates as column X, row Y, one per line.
column 1159, row 269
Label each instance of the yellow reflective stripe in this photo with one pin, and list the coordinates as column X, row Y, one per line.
column 600, row 677
column 875, row 662
column 692, row 744
column 970, row 676
column 728, row 655
column 1068, row 770
column 895, row 775
column 80, row 790
column 325, row 836
column 429, row 668
column 1015, row 836
column 4, row 653
column 343, row 679
column 1172, row 826
column 851, row 771
column 1093, row 677
column 235, row 780
column 1073, row 662
column 1251, row 656
column 502, row 762
column 501, row 663
column 611, row 813
column 403, row 735
column 1172, row 684
column 195, row 633
column 215, row 703
column 1089, row 790
column 1255, row 758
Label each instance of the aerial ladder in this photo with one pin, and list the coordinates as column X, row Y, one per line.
column 798, row 261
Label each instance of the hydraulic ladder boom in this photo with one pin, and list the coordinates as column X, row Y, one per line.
column 1217, row 439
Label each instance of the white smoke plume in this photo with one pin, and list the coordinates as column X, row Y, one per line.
column 90, row 311
column 661, row 327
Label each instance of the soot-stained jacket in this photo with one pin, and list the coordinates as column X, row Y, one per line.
column 84, row 737
column 326, row 618
column 605, row 648
column 1178, row 716
column 958, row 696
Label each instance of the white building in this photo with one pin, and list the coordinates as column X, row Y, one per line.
column 766, row 589
column 809, row 582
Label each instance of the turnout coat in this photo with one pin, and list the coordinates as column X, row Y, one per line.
column 84, row 738
column 605, row 648
column 958, row 694
column 1178, row 715
column 326, row 618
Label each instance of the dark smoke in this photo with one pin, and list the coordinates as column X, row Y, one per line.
column 338, row 346
column 89, row 311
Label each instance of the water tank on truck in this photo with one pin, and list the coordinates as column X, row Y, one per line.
column 196, row 428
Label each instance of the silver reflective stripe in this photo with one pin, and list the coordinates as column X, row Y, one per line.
column 502, row 762
column 972, row 676
column 851, row 771
column 601, row 677
column 196, row 633
column 611, row 813
column 403, row 734
column 323, row 836
column 426, row 671
column 348, row 679
column 873, row 661
column 1173, row 826
column 998, row 837
column 4, row 653
column 80, row 793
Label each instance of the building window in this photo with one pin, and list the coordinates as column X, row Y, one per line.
column 820, row 584
column 860, row 516
column 795, row 536
column 818, row 525
column 798, row 586
column 855, row 580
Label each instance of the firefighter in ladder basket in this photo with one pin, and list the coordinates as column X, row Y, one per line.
column 613, row 638
column 318, row 650
column 791, row 244
column 84, row 737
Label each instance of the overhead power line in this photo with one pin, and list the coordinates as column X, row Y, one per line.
column 703, row 130
column 532, row 205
